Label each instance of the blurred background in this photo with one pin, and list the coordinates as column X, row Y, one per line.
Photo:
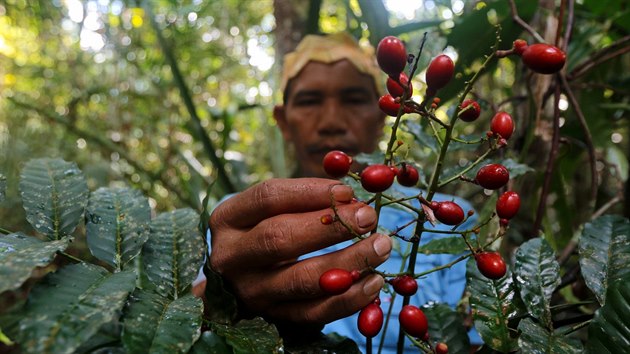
column 175, row 97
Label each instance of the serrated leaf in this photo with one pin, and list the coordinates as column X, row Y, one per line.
column 54, row 193
column 609, row 332
column 251, row 336
column 444, row 245
column 330, row 343
column 537, row 339
column 493, row 305
column 174, row 252
column 20, row 254
column 446, row 325
column 117, row 225
column 68, row 307
column 604, row 249
column 537, row 276
column 210, row 343
column 156, row 324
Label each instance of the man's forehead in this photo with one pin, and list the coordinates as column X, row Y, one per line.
column 338, row 75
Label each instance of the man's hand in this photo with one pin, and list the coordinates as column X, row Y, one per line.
column 258, row 235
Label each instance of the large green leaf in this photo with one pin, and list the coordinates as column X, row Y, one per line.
column 537, row 339
column 609, row 332
column 174, row 252
column 446, row 325
column 20, row 254
column 450, row 245
column 537, row 276
column 330, row 343
column 251, row 336
column 117, row 225
column 211, row 343
column 605, row 253
column 68, row 307
column 156, row 324
column 54, row 193
column 493, row 304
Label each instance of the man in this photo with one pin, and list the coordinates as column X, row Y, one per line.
column 268, row 242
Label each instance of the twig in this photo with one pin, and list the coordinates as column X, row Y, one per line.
column 595, row 59
column 590, row 64
column 569, row 29
column 524, row 24
column 5, row 231
column 587, row 136
column 553, row 153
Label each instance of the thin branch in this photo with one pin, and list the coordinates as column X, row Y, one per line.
column 197, row 127
column 587, row 136
column 108, row 145
column 568, row 31
column 553, row 153
column 585, row 67
column 524, row 24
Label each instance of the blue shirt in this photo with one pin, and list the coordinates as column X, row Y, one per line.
column 444, row 286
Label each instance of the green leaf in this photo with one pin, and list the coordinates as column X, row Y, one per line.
column 68, row 307
column 604, row 249
column 20, row 254
column 54, row 193
column 210, row 343
column 330, row 343
column 4, row 339
column 155, row 324
column 493, row 304
column 615, row 156
column 537, row 276
column 516, row 169
column 424, row 139
column 251, row 336
column 446, row 325
column 117, row 225
column 537, row 339
column 609, row 332
column 174, row 252
column 444, row 245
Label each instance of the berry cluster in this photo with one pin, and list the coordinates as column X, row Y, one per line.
column 392, row 58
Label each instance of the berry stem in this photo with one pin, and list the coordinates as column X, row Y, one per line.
column 468, row 168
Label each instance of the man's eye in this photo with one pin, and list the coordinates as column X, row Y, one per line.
column 357, row 99
column 307, row 102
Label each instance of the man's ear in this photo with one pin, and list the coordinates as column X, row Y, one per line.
column 279, row 114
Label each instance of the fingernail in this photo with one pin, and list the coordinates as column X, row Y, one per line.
column 373, row 285
column 366, row 216
column 382, row 245
column 342, row 192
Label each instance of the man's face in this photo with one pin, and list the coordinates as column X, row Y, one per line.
column 329, row 107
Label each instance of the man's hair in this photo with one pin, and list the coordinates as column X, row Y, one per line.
column 328, row 49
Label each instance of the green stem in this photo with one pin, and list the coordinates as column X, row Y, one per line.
column 5, row 231
column 468, row 168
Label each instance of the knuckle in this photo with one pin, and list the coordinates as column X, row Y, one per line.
column 304, row 280
column 275, row 238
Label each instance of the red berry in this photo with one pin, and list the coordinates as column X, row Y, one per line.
column 504, row 222
column 502, row 125
column 335, row 281
column 377, row 178
column 405, row 285
column 441, row 348
column 439, row 72
column 370, row 320
column 493, row 176
column 449, row 213
column 434, row 205
column 519, row 46
column 327, row 219
column 508, row 205
column 337, row 163
column 407, row 175
column 395, row 89
column 388, row 105
column 544, row 58
column 491, row 265
column 413, row 321
column 391, row 56
column 472, row 113
column 355, row 274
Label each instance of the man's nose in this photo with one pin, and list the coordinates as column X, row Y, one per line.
column 333, row 120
